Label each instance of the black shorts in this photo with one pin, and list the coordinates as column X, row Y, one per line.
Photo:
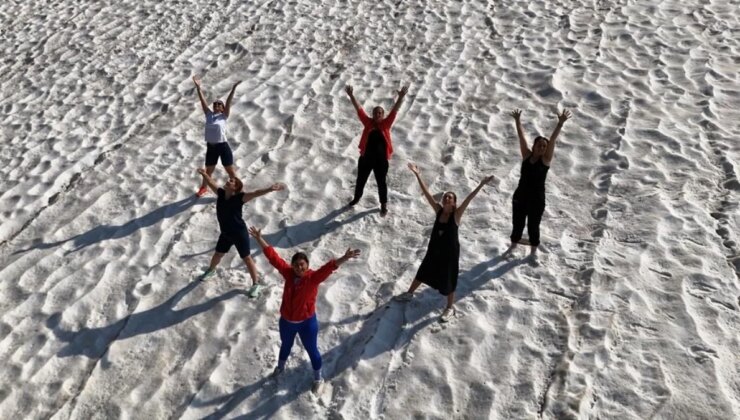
column 239, row 239
column 219, row 150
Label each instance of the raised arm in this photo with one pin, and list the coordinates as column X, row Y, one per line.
column 358, row 108
column 202, row 98
column 349, row 254
column 257, row 235
column 435, row 205
column 211, row 184
column 325, row 270
column 259, row 193
column 461, row 208
column 280, row 264
column 350, row 92
column 399, row 100
column 523, row 148
column 227, row 107
column 562, row 118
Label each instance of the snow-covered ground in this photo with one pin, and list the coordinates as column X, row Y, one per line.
column 633, row 313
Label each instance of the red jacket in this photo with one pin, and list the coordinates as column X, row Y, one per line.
column 299, row 294
column 384, row 126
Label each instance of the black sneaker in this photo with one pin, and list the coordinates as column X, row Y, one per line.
column 383, row 210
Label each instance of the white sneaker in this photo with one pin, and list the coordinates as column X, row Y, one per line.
column 533, row 260
column 403, row 297
column 206, row 274
column 446, row 315
column 508, row 255
column 317, row 385
column 254, row 291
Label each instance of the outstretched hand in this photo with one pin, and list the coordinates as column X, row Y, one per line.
column 404, row 90
column 563, row 116
column 414, row 168
column 238, row 82
column 196, row 81
column 351, row 253
column 257, row 233
column 517, row 113
column 349, row 90
column 487, row 180
column 202, row 171
column 278, row 186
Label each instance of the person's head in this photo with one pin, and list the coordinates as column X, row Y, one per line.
column 218, row 106
column 299, row 264
column 449, row 201
column 378, row 114
column 234, row 185
column 539, row 146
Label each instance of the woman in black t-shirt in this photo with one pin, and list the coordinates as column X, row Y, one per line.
column 229, row 205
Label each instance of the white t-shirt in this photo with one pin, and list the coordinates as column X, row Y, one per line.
column 215, row 127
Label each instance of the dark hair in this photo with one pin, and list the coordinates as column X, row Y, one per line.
column 378, row 107
column 238, row 185
column 538, row 138
column 299, row 256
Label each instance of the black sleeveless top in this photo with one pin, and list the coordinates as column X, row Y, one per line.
column 444, row 240
column 532, row 180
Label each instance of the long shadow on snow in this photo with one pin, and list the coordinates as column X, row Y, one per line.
column 268, row 406
column 106, row 232
column 94, row 342
column 312, row 230
column 400, row 321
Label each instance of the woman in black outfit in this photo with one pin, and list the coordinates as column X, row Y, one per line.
column 376, row 147
column 440, row 265
column 528, row 203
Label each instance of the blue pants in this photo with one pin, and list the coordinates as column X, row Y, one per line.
column 308, row 330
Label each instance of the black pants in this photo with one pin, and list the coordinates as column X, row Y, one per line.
column 379, row 166
column 529, row 212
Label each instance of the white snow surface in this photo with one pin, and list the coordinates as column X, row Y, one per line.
column 634, row 312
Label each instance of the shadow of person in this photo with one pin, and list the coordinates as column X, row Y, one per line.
column 311, row 230
column 272, row 398
column 94, row 342
column 392, row 325
column 107, row 232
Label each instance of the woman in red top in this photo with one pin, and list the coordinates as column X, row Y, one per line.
column 298, row 307
column 375, row 147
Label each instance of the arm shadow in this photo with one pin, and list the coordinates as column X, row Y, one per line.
column 107, row 232
column 94, row 342
column 311, row 230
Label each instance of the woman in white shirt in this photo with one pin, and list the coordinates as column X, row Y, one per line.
column 215, row 134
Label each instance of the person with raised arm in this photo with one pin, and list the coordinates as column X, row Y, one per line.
column 375, row 147
column 298, row 307
column 528, row 202
column 229, row 205
column 440, row 266
column 217, row 145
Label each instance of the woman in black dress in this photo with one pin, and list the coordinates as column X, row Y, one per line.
column 528, row 203
column 440, row 265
